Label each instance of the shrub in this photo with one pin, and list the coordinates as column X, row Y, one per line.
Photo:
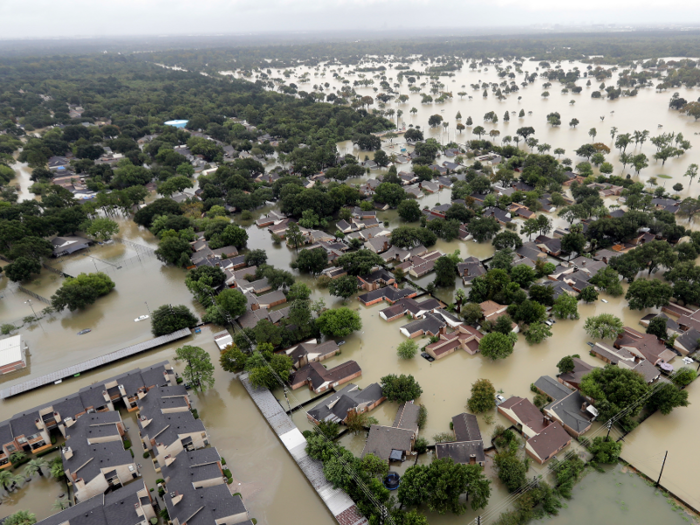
column 127, row 444
column 421, row 445
column 146, row 454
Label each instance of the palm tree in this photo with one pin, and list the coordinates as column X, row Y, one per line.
column 21, row 517
column 16, row 457
column 460, row 297
column 60, row 504
column 8, row 479
column 35, row 466
column 56, row 471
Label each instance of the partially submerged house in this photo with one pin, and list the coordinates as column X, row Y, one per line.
column 468, row 446
column 646, row 346
column 312, row 352
column 396, row 442
column 464, row 337
column 319, row 379
column 349, row 401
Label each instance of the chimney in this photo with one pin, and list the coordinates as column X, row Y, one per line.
column 168, row 460
column 584, row 406
column 105, row 395
column 67, row 452
column 175, row 497
column 472, row 459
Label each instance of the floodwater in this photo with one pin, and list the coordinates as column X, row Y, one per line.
column 270, row 481
column 620, row 496
column 646, row 111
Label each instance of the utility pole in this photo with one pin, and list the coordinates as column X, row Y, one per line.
column 609, row 425
column 29, row 301
column 662, row 469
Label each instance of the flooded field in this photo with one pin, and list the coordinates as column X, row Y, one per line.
column 271, row 483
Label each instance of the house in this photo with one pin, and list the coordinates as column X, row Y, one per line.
column 440, row 210
column 223, row 339
column 672, row 327
column 648, row 371
column 12, row 354
column 396, row 442
column 196, row 490
column 502, row 217
column 521, row 211
column 590, row 266
column 68, row 245
column 319, row 379
column 524, row 415
column 271, row 299
column 686, row 321
column 378, row 244
column 568, row 407
column 468, row 446
column 464, row 337
column 431, row 324
column 410, row 305
column 359, row 213
column 347, row 402
column 546, row 444
column 573, row 379
column 470, row 268
column 94, row 458
column 390, row 294
column 376, row 279
column 166, row 424
column 611, row 355
column 531, row 251
column 548, row 245
column 312, row 352
column 688, row 342
column 430, row 187
column 402, row 254
column 280, row 228
column 645, row 346
column 492, row 310
column 560, row 288
column 132, row 504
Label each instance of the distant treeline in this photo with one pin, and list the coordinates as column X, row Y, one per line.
column 229, row 52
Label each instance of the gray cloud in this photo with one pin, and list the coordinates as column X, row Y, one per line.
column 66, row 18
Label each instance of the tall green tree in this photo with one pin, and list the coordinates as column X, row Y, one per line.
column 199, row 371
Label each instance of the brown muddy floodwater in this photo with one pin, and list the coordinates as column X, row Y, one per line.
column 273, row 487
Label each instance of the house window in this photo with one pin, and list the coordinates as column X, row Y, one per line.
column 21, row 440
column 11, row 448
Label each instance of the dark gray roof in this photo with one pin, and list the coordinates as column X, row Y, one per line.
column 113, row 508
column 5, row 433
column 431, row 323
column 388, row 292
column 466, row 427
column 91, row 396
column 195, row 466
column 461, row 452
column 689, row 339
column 552, row 388
column 569, row 411
column 382, row 440
column 202, row 506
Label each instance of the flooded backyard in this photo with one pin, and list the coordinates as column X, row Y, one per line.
column 274, row 489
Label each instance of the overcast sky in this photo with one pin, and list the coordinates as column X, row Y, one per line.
column 52, row 18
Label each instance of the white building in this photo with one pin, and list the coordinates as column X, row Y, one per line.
column 12, row 354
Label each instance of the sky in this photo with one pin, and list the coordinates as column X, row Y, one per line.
column 79, row 18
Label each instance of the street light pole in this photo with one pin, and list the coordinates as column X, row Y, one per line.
column 29, row 301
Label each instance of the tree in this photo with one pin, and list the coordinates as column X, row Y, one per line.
column 21, row 517
column 441, row 484
column 615, row 389
column 588, row 295
column 507, row 239
column 691, row 173
column 81, row 291
column 256, row 257
column 389, row 193
column 511, row 470
column 573, row 243
column 565, row 307
column 374, row 466
column 199, row 371
column 233, row 302
column 566, row 365
column 407, row 349
column 344, row 286
column 434, row 120
column 648, row 294
column 483, row 228
column 542, row 294
column 409, row 210
column 174, row 250
column 101, row 228
column 168, row 319
column 360, row 262
column 640, row 162
column 232, row 359
column 479, row 131
column 35, row 466
column 400, row 389
column 339, row 322
column 22, row 268
column 472, row 313
column 445, row 271
column 8, row 480
column 605, row 450
column 483, row 398
column 311, row 261
column 667, row 397
column 603, row 326
column 497, row 345
column 657, row 327
column 525, row 132
column 537, row 332
column 294, row 236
